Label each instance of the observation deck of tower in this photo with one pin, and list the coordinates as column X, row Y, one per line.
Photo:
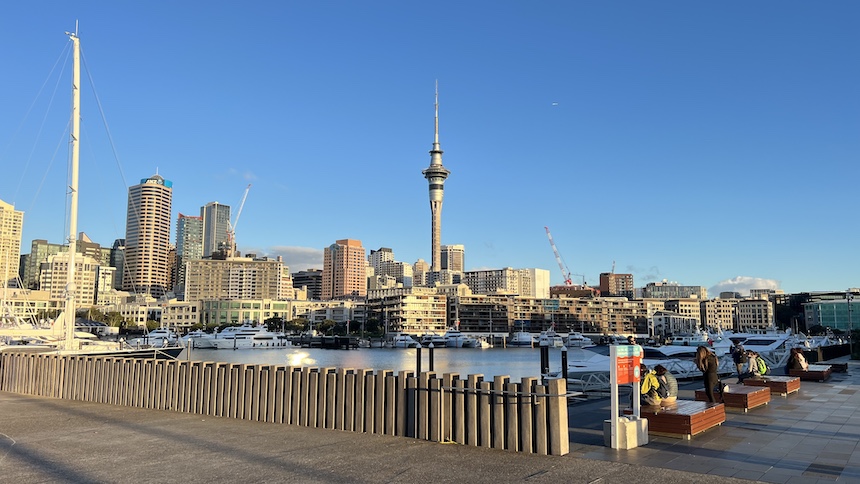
column 436, row 175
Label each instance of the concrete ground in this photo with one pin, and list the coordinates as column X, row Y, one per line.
column 809, row 437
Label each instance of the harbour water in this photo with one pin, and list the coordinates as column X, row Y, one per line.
column 514, row 362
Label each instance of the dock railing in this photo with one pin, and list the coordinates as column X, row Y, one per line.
column 529, row 416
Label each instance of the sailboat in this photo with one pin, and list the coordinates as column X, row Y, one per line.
column 68, row 342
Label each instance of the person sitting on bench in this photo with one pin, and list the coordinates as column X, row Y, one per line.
column 667, row 380
column 752, row 369
column 797, row 361
column 652, row 393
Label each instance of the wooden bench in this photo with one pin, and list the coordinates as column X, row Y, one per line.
column 782, row 385
column 839, row 367
column 682, row 419
column 740, row 397
column 814, row 373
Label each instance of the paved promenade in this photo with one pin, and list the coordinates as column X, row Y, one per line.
column 807, row 437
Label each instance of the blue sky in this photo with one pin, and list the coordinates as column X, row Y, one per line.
column 707, row 143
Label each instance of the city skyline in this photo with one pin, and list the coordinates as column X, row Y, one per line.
column 693, row 143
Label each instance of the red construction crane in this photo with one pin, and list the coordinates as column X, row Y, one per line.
column 565, row 272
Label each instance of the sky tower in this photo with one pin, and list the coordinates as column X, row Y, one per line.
column 436, row 175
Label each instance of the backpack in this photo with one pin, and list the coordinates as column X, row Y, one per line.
column 762, row 366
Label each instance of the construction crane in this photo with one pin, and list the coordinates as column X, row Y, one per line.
column 231, row 227
column 565, row 272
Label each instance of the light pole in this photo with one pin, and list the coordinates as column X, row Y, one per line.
column 850, row 297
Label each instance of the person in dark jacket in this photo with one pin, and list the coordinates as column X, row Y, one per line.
column 706, row 362
column 739, row 356
column 667, row 380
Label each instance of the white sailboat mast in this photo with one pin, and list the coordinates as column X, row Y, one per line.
column 71, row 287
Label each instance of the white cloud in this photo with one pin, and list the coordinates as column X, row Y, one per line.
column 297, row 258
column 742, row 285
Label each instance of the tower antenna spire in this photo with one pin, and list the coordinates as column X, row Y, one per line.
column 436, row 137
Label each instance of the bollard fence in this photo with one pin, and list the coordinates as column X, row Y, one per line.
column 498, row 413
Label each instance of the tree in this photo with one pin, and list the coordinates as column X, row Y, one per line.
column 113, row 318
column 326, row 326
column 151, row 324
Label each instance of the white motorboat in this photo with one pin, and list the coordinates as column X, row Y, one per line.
column 198, row 339
column 577, row 340
column 454, row 338
column 437, row 340
column 250, row 336
column 156, row 338
column 521, row 339
column 549, row 338
column 402, row 341
column 677, row 359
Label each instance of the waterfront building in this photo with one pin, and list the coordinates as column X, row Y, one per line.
column 764, row 293
column 32, row 305
column 665, row 323
column 612, row 284
column 523, row 282
column 690, row 308
column 189, row 246
column 410, row 310
column 216, row 227
column 454, row 257
column 53, row 277
column 147, row 237
column 137, row 309
column 213, row 313
column 720, row 313
column 11, row 228
column 755, row 316
column 436, row 174
column 237, row 278
column 180, row 315
column 384, row 266
column 673, row 290
column 836, row 314
column 344, row 272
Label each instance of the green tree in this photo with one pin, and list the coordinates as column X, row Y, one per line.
column 113, row 318
column 151, row 324
column 326, row 326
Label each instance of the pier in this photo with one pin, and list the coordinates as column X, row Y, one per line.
column 810, row 436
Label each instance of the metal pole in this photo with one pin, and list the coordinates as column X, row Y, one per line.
column 850, row 329
column 418, row 360
column 564, row 362
column 430, row 354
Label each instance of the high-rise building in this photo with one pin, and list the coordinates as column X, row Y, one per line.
column 344, row 270
column 453, row 257
column 311, row 280
column 189, row 246
column 117, row 261
column 54, row 276
column 612, row 284
column 378, row 257
column 436, row 174
column 11, row 227
column 216, row 226
column 237, row 278
column 147, row 237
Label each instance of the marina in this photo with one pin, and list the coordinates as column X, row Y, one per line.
column 514, row 362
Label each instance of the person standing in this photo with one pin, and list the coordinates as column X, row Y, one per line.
column 706, row 362
column 739, row 356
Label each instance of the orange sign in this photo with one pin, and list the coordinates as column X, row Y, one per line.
column 627, row 361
